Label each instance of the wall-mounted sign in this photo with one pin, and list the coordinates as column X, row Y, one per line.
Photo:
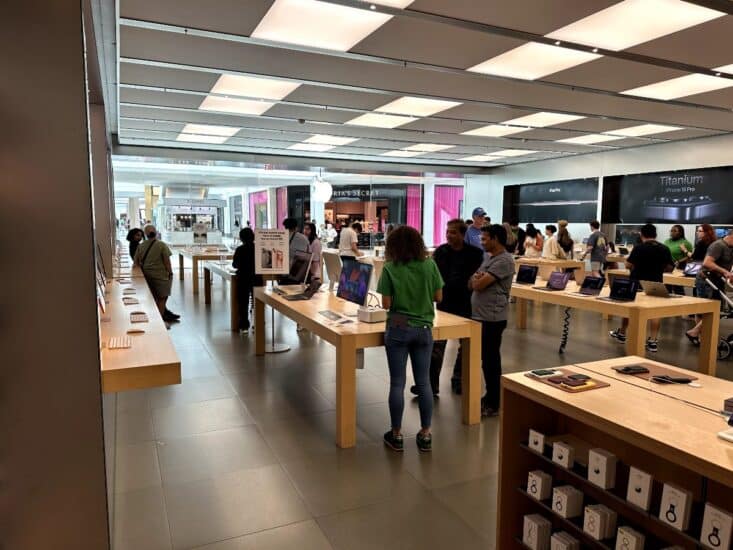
column 571, row 200
column 272, row 251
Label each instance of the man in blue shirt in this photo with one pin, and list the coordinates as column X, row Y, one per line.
column 473, row 233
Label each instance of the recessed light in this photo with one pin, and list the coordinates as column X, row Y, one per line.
column 416, row 106
column 317, row 147
column 209, row 129
column 533, row 60
column 512, row 152
column 250, row 86
column 378, row 120
column 589, row 139
column 234, row 105
column 311, row 23
column 633, row 22
column 643, row 130
column 479, row 158
column 494, row 130
column 595, row 50
column 403, row 153
column 428, row 147
column 681, row 86
column 324, row 139
column 540, row 120
column 557, row 42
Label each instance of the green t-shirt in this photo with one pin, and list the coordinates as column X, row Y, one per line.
column 412, row 287
column 674, row 248
column 154, row 267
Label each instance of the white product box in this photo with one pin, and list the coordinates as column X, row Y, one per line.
column 536, row 532
column 539, row 485
column 602, row 468
column 676, row 506
column 599, row 521
column 536, row 441
column 639, row 491
column 567, row 501
column 717, row 526
column 563, row 541
column 563, row 454
column 629, row 539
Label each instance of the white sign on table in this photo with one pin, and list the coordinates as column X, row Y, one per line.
column 272, row 251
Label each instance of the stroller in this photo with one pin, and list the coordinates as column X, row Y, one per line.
column 725, row 345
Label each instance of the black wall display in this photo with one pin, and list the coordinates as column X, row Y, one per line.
column 685, row 196
column 572, row 200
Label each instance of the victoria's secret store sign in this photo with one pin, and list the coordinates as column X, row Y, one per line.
column 365, row 193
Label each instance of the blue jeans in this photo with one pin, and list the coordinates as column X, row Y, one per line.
column 417, row 342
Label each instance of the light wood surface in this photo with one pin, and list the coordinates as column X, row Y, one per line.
column 227, row 273
column 638, row 312
column 348, row 338
column 152, row 360
column 676, row 278
column 197, row 255
column 546, row 267
column 666, row 430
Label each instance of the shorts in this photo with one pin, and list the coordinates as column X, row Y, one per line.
column 596, row 266
column 160, row 288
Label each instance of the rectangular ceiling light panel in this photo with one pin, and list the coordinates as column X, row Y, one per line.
column 633, row 22
column 198, row 138
column 512, row 152
column 428, row 147
column 416, row 106
column 236, row 106
column 589, row 139
column 494, row 130
column 643, row 130
column 250, row 86
column 533, row 60
column 317, row 147
column 479, row 158
column 377, row 120
column 681, row 86
column 209, row 129
column 324, row 139
column 403, row 153
column 321, row 24
column 543, row 119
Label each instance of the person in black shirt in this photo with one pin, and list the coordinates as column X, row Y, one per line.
column 134, row 237
column 457, row 261
column 519, row 234
column 244, row 263
column 648, row 261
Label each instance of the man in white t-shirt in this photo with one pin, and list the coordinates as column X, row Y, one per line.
column 349, row 242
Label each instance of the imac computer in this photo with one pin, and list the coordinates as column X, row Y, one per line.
column 354, row 282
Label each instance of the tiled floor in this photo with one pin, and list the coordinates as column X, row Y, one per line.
column 241, row 455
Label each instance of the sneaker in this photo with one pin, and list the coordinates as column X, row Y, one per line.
column 424, row 442
column 652, row 345
column 618, row 335
column 173, row 316
column 394, row 442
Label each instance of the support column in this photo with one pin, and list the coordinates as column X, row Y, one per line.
column 51, row 407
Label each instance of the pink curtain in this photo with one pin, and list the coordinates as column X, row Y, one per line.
column 282, row 204
column 446, row 207
column 414, row 206
column 254, row 199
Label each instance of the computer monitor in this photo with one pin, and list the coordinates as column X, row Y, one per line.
column 354, row 282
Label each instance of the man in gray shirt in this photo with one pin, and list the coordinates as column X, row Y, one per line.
column 491, row 286
column 596, row 247
column 298, row 241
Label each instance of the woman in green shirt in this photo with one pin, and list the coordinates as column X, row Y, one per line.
column 678, row 247
column 410, row 284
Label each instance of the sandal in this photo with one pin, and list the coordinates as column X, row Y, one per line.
column 695, row 340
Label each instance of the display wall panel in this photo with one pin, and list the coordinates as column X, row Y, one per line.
column 572, row 200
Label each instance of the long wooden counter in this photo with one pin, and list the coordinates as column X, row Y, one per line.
column 548, row 266
column 676, row 278
column 196, row 255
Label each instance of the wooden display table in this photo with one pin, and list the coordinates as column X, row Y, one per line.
column 152, row 360
column 348, row 338
column 667, row 431
column 548, row 266
column 676, row 278
column 637, row 312
column 197, row 255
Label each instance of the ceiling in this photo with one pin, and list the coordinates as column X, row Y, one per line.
column 472, row 72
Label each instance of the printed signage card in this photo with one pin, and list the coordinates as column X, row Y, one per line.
column 272, row 252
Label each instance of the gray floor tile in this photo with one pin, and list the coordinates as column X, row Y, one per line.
column 140, row 521
column 290, row 401
column 232, row 505
column 197, row 364
column 474, row 502
column 369, row 390
column 212, row 454
column 195, row 418
column 134, row 426
column 136, row 467
column 305, row 535
column 134, row 400
column 190, row 391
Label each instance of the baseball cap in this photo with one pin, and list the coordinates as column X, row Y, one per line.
column 478, row 211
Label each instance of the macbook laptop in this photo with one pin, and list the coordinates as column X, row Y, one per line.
column 653, row 288
column 591, row 286
column 623, row 289
column 692, row 269
column 558, row 281
column 623, row 250
column 313, row 287
column 527, row 274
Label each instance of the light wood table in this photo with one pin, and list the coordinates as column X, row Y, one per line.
column 676, row 278
column 197, row 255
column 227, row 273
column 548, row 266
column 616, row 258
column 637, row 312
column 348, row 338
column 152, row 360
column 668, row 431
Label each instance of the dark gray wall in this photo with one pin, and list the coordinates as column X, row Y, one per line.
column 52, row 482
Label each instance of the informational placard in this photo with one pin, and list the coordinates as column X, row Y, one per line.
column 200, row 233
column 272, row 251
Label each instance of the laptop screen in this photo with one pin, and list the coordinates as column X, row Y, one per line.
column 527, row 274
column 592, row 285
column 558, row 280
column 624, row 289
column 692, row 268
column 300, row 266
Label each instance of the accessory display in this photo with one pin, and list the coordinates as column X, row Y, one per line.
column 536, row 441
column 567, row 501
column 676, row 506
column 539, row 485
column 602, row 468
column 599, row 521
column 563, row 454
column 563, row 541
column 639, row 490
column 717, row 525
column 629, row 539
column 536, row 532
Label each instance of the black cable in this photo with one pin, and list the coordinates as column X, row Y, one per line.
column 565, row 331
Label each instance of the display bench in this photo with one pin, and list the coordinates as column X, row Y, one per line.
column 648, row 453
column 196, row 255
column 151, row 360
column 548, row 266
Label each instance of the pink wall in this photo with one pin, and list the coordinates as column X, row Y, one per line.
column 282, row 204
column 414, row 206
column 447, row 206
column 254, row 199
